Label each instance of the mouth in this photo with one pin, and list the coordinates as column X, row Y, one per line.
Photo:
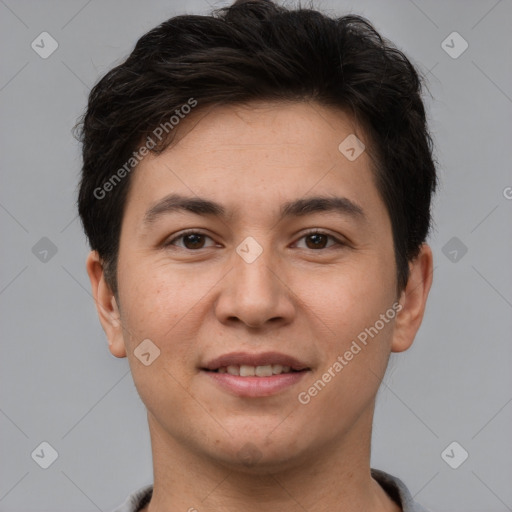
column 255, row 375
column 264, row 363
column 246, row 370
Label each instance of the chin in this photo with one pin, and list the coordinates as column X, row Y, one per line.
column 252, row 460
column 256, row 452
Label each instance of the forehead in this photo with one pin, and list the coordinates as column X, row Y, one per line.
column 296, row 127
column 256, row 154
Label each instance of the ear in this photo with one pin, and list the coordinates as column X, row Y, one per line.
column 413, row 300
column 106, row 305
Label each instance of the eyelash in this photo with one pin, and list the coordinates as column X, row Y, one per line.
column 308, row 233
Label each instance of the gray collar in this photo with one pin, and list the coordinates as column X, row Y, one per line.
column 395, row 488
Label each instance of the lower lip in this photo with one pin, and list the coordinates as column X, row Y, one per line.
column 255, row 386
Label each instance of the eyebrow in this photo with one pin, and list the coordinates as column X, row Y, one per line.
column 297, row 208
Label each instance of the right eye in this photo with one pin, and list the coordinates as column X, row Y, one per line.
column 191, row 240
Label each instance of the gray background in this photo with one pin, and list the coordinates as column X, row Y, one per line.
column 60, row 384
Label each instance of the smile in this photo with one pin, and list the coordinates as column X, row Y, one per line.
column 246, row 370
column 253, row 386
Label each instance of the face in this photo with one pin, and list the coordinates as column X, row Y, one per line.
column 254, row 241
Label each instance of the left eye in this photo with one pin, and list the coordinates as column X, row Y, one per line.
column 195, row 240
column 318, row 240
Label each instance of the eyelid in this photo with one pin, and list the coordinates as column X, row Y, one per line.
column 183, row 234
column 312, row 231
column 318, row 231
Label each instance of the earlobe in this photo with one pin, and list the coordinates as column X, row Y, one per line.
column 413, row 300
column 106, row 305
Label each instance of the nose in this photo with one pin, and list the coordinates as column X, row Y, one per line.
column 255, row 294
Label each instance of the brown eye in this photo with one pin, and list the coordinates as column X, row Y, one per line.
column 192, row 240
column 316, row 241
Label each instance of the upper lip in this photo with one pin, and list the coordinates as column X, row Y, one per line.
column 262, row 359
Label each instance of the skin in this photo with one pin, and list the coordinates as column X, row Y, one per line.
column 198, row 303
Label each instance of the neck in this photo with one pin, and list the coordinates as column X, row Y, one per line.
column 332, row 477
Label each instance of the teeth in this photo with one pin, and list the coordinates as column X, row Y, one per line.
column 262, row 371
column 245, row 370
column 277, row 369
column 234, row 370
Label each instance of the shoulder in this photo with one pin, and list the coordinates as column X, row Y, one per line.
column 398, row 491
column 136, row 500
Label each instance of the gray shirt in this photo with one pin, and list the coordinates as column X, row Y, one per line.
column 395, row 488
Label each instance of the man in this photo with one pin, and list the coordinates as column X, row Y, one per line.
column 256, row 192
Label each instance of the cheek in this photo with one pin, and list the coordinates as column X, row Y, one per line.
column 348, row 307
column 167, row 306
column 160, row 306
column 158, row 300
column 351, row 298
column 354, row 358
